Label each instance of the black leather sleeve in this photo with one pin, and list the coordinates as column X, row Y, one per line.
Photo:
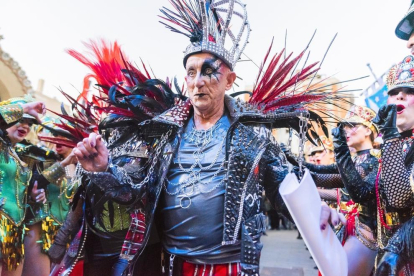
column 395, row 176
column 127, row 169
column 361, row 189
column 325, row 169
column 68, row 229
column 275, row 170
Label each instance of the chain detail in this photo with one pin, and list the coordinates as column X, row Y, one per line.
column 303, row 128
column 163, row 141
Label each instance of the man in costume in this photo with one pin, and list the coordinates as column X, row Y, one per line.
column 189, row 181
column 209, row 158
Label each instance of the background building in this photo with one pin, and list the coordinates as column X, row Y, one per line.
column 15, row 83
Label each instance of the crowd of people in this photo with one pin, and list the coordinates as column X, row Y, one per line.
column 138, row 179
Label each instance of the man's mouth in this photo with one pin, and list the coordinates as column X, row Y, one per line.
column 200, row 95
column 400, row 108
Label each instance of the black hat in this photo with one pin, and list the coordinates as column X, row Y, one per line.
column 405, row 27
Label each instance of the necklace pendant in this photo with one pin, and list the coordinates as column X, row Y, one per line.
column 185, row 202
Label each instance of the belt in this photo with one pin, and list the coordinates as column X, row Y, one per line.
column 178, row 266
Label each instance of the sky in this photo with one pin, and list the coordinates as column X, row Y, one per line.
column 37, row 33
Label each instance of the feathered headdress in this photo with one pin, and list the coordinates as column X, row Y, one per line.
column 283, row 93
column 125, row 95
column 219, row 27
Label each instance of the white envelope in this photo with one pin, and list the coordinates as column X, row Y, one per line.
column 304, row 204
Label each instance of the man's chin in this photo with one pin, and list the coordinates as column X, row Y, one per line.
column 202, row 105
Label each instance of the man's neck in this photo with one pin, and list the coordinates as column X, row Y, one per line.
column 204, row 121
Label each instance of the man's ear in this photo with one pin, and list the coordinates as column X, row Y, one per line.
column 231, row 78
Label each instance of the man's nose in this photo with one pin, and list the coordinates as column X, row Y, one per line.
column 199, row 81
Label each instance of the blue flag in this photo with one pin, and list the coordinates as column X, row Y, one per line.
column 378, row 99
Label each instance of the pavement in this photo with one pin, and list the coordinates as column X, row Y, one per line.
column 285, row 255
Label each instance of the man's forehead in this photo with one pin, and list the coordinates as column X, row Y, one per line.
column 200, row 58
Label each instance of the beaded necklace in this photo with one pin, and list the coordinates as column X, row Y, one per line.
column 407, row 141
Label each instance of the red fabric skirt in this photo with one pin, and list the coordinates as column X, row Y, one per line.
column 408, row 270
column 190, row 269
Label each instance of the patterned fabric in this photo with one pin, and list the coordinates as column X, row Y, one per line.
column 11, row 113
column 54, row 173
column 361, row 115
column 190, row 269
column 401, row 74
column 395, row 176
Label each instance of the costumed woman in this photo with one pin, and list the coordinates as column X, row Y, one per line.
column 355, row 176
column 396, row 198
column 17, row 115
column 43, row 219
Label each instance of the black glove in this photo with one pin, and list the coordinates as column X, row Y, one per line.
column 386, row 120
column 295, row 170
column 339, row 137
column 58, row 249
column 389, row 265
column 120, row 267
column 289, row 155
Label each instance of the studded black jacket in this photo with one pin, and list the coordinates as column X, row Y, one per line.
column 254, row 163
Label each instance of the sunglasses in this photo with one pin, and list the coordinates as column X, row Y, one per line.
column 29, row 122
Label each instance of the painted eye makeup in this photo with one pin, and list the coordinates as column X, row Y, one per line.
column 210, row 68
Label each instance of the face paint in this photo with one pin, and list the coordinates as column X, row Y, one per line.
column 210, row 68
column 207, row 81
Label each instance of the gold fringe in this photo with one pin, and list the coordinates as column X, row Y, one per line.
column 49, row 231
column 12, row 244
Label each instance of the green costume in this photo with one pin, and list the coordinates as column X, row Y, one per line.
column 14, row 178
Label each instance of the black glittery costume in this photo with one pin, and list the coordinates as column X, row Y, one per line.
column 253, row 163
column 356, row 178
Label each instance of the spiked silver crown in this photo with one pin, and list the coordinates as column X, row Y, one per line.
column 208, row 23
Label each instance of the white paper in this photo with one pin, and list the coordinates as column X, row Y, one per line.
column 304, row 204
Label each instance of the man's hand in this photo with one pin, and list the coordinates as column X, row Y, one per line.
column 386, row 120
column 339, row 137
column 92, row 153
column 35, row 109
column 38, row 195
column 330, row 215
column 71, row 159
